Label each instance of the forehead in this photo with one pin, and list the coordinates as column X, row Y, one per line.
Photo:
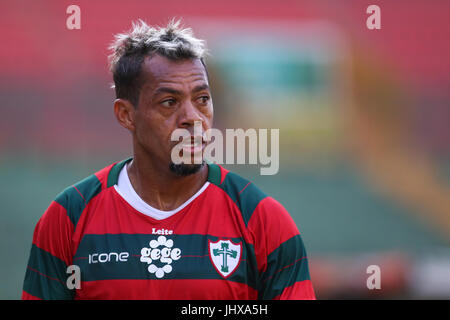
column 160, row 71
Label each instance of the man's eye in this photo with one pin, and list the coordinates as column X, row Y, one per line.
column 203, row 99
column 168, row 103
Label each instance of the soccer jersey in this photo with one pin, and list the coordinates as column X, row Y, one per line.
column 231, row 241
column 126, row 190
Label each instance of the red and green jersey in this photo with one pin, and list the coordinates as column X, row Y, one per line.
column 231, row 242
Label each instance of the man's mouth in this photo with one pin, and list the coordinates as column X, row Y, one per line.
column 194, row 145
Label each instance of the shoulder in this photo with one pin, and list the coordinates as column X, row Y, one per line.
column 256, row 206
column 77, row 196
column 245, row 194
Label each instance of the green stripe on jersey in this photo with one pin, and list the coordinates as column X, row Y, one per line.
column 214, row 173
column 46, row 276
column 75, row 198
column 118, row 256
column 113, row 175
column 244, row 193
column 286, row 265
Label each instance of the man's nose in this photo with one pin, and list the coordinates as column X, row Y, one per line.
column 189, row 114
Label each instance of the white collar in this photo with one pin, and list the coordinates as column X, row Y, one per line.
column 126, row 190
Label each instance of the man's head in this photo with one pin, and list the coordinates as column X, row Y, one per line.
column 161, row 84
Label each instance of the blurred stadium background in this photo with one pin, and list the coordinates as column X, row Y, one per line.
column 363, row 116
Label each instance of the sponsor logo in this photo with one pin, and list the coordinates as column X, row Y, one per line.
column 225, row 256
column 108, row 257
column 162, row 231
column 159, row 256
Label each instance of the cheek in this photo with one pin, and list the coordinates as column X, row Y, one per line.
column 208, row 115
column 145, row 129
column 154, row 133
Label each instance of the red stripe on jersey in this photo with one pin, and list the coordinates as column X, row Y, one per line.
column 180, row 289
column 102, row 175
column 209, row 215
column 265, row 224
column 302, row 290
column 27, row 296
column 110, row 213
column 44, row 275
column 223, row 173
column 79, row 194
column 244, row 188
column 281, row 269
column 53, row 233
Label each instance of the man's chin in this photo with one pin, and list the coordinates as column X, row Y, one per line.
column 183, row 170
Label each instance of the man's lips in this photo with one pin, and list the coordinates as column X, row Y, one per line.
column 193, row 145
column 193, row 148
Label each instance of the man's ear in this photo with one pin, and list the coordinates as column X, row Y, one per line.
column 124, row 111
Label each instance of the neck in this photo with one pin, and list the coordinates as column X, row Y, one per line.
column 160, row 187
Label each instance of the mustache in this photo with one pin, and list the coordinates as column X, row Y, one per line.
column 192, row 134
column 185, row 136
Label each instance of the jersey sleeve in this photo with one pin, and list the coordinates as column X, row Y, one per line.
column 46, row 274
column 280, row 253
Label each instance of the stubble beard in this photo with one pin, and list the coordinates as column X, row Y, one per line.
column 184, row 170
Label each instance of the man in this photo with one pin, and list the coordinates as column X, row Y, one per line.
column 148, row 228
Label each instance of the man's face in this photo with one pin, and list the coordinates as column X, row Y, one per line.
column 175, row 94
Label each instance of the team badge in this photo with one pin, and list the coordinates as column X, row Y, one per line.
column 225, row 256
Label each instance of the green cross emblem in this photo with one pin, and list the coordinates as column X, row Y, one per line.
column 225, row 252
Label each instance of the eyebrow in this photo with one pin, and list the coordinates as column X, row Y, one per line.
column 166, row 90
column 200, row 88
column 161, row 90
